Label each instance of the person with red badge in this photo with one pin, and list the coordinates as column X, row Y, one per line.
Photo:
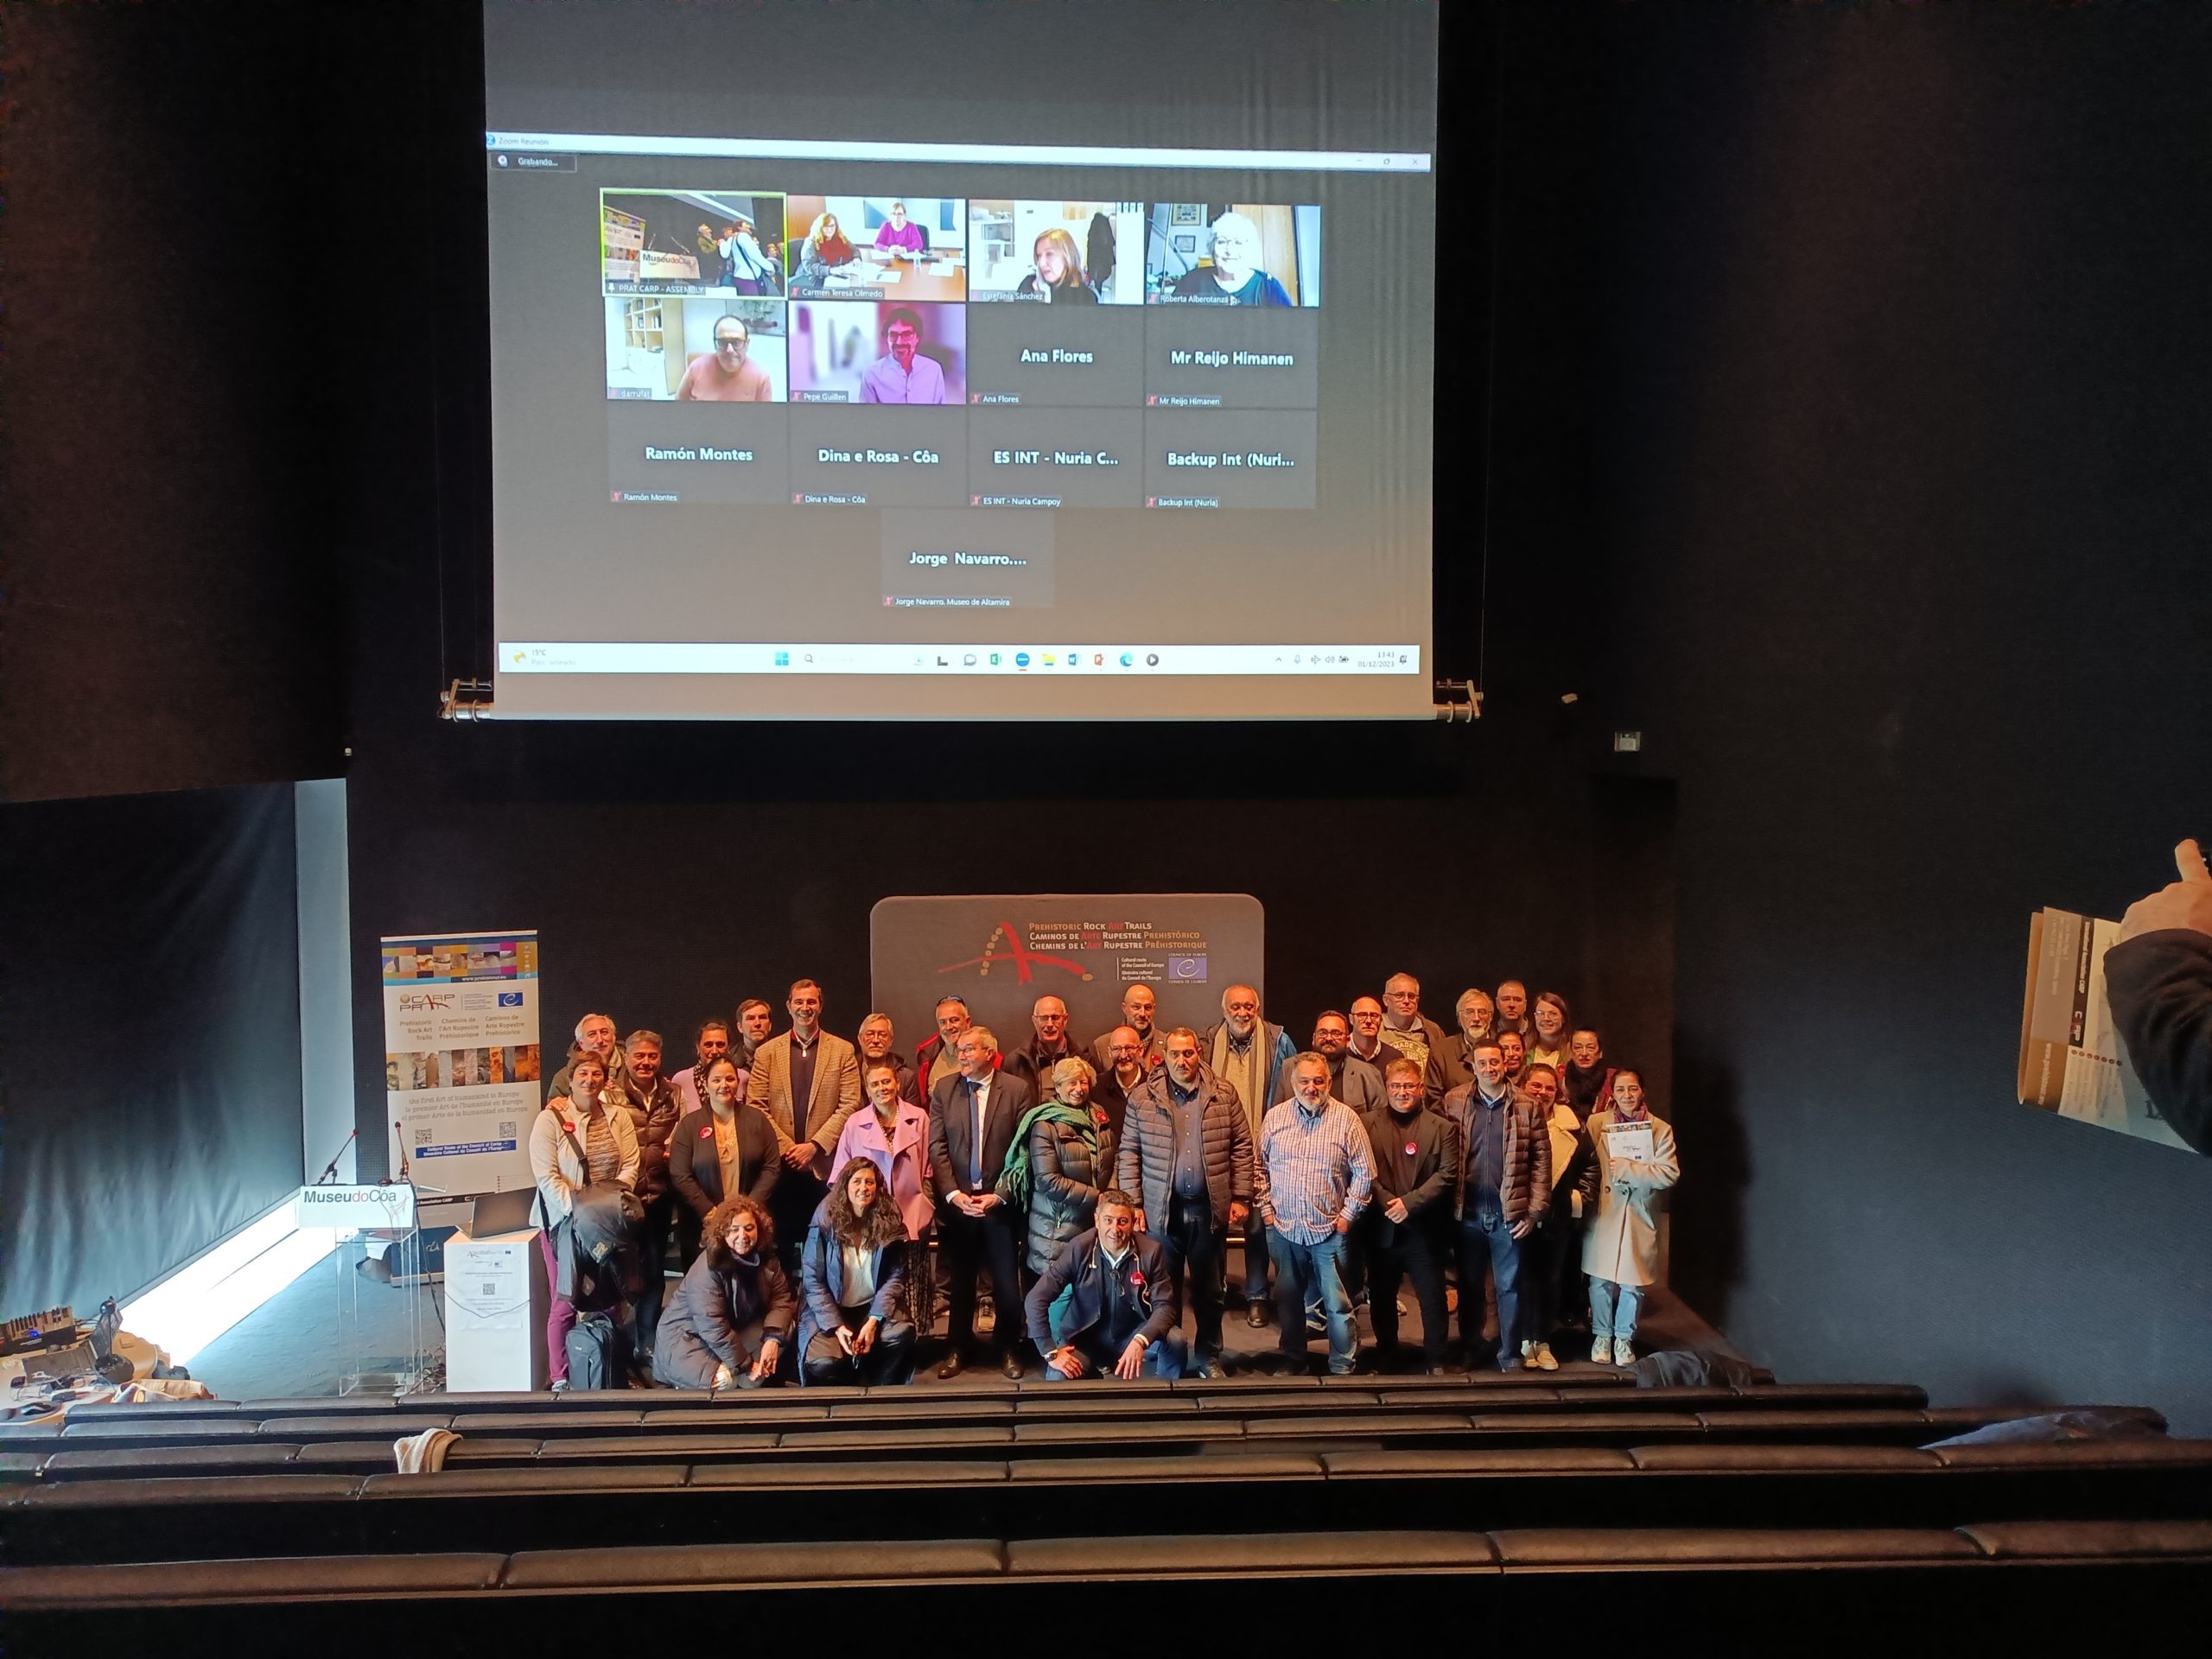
column 1121, row 1318
column 1405, row 1228
column 726, row 1149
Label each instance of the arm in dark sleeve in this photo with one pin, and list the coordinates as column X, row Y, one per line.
column 814, row 1281
column 1539, row 1169
column 890, row 1285
column 1432, row 1080
column 708, row 1303
column 1583, row 1167
column 2160, row 987
column 1440, row 1178
column 1166, row 1304
column 776, row 1289
column 941, row 1178
column 679, row 1167
column 1037, row 1306
column 1128, row 1163
column 1455, row 1160
column 1240, row 1153
column 655, row 1147
column 757, row 1146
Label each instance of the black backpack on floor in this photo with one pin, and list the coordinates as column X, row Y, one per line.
column 597, row 1353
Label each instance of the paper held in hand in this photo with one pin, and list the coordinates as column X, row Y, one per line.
column 2071, row 1061
column 1628, row 1143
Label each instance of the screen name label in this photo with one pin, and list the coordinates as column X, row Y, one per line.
column 878, row 457
column 939, row 561
column 694, row 452
column 1251, row 458
column 1210, row 359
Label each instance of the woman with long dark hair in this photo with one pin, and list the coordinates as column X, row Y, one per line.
column 853, row 1276
column 895, row 1136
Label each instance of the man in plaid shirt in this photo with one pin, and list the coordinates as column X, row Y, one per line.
column 1312, row 1178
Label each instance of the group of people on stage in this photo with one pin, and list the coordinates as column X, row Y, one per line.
column 802, row 1180
column 740, row 260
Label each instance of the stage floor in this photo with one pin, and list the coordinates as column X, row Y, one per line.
column 291, row 1347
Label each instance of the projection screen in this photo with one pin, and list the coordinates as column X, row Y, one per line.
column 967, row 360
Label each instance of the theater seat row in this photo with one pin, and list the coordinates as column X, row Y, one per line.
column 362, row 1440
column 539, row 1507
column 1030, row 1395
column 989, row 1385
column 1848, row 1579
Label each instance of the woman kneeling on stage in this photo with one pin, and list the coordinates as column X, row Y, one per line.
column 853, row 1277
column 730, row 1319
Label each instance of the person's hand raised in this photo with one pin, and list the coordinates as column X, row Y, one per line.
column 2186, row 903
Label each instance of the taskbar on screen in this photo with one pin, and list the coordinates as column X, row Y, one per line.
column 613, row 657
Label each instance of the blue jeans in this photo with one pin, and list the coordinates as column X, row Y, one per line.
column 1256, row 1252
column 1164, row 1358
column 1486, row 1241
column 1613, row 1308
column 1303, row 1272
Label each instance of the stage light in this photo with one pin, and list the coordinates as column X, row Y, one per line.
column 210, row 1293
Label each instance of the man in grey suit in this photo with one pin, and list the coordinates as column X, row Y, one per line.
column 1351, row 1079
column 973, row 1114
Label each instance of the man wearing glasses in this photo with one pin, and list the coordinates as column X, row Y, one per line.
column 902, row 374
column 727, row 376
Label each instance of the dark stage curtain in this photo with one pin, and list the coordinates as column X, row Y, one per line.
column 149, row 1037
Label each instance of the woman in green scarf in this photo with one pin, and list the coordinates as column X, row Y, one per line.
column 1062, row 1157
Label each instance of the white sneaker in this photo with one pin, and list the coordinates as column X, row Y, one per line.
column 1601, row 1352
column 1624, row 1352
column 1540, row 1356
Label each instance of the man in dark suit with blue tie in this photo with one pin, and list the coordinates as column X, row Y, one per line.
column 973, row 1114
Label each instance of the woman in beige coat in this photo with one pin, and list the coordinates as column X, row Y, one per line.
column 1620, row 1251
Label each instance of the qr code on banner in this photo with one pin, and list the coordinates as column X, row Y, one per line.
column 507, row 1128
column 491, row 1288
column 422, row 1137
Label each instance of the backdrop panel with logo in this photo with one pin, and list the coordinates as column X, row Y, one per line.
column 1003, row 951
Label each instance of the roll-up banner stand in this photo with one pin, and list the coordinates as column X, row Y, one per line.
column 461, row 1058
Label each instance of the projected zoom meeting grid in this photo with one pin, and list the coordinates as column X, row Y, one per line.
column 902, row 350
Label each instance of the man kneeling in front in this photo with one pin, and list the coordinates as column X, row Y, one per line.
column 1118, row 1315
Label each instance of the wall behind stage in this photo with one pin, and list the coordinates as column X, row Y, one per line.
column 1900, row 441
column 666, row 887
column 149, row 1027
column 181, row 401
